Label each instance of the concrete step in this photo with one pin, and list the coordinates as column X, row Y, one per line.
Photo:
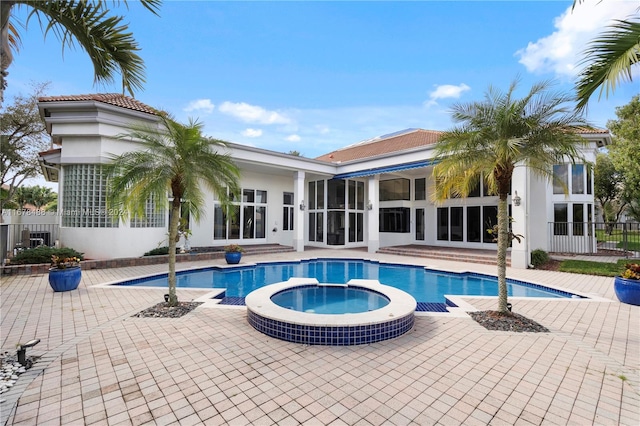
column 445, row 254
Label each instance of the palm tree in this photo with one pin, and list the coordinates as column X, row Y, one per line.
column 175, row 159
column 609, row 59
column 41, row 196
column 495, row 136
column 105, row 38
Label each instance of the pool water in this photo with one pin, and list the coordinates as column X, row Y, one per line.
column 424, row 285
column 329, row 299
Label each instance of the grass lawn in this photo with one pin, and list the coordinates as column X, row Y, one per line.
column 628, row 239
column 595, row 268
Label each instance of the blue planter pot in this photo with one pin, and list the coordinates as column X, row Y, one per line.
column 627, row 291
column 65, row 279
column 233, row 257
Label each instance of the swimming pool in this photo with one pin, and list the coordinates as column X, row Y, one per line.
column 425, row 285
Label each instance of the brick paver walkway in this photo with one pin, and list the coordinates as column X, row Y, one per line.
column 99, row 365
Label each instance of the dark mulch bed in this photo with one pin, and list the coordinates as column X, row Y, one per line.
column 551, row 265
column 163, row 310
column 494, row 320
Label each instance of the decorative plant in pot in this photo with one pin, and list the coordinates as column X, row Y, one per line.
column 65, row 273
column 627, row 286
column 233, row 253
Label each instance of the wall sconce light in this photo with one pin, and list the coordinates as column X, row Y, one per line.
column 369, row 205
column 302, row 206
column 516, row 199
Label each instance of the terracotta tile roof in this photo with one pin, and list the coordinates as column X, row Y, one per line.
column 592, row 130
column 107, row 98
column 412, row 138
column 50, row 151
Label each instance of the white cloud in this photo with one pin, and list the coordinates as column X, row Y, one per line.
column 445, row 91
column 293, row 138
column 561, row 52
column 203, row 105
column 252, row 113
column 322, row 129
column 252, row 133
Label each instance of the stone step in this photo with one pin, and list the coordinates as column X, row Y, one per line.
column 486, row 259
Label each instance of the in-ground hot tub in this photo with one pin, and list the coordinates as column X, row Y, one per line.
column 393, row 319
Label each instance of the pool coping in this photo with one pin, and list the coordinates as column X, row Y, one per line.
column 400, row 304
column 209, row 299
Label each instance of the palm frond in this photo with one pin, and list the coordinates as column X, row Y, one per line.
column 608, row 60
column 106, row 39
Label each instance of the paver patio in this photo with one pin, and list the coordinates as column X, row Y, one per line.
column 100, row 365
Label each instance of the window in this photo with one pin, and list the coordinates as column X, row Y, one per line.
column 394, row 189
column 395, row 220
column 589, row 184
column 420, row 224
column 420, row 189
column 490, row 218
column 473, row 224
column 443, row 224
column 248, row 218
column 352, row 194
column 475, row 192
column 450, row 225
column 320, row 195
column 578, row 219
column 336, row 194
column 312, row 196
column 356, row 226
column 219, row 223
column 560, row 219
column 560, row 178
column 153, row 217
column 287, row 211
column 456, row 224
column 360, row 195
column 335, row 227
column 84, row 199
column 316, row 226
column 577, row 179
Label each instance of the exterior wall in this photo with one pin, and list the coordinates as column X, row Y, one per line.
column 202, row 233
column 111, row 243
column 89, row 132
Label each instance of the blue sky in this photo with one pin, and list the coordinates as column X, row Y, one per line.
column 316, row 76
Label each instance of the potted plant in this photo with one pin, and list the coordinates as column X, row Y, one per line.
column 627, row 286
column 65, row 273
column 233, row 253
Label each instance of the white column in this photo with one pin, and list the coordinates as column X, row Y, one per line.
column 373, row 229
column 520, row 250
column 298, row 196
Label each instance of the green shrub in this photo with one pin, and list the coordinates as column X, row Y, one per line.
column 43, row 255
column 539, row 257
column 160, row 251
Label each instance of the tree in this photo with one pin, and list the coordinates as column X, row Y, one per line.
column 498, row 133
column 625, row 152
column 23, row 135
column 42, row 196
column 176, row 159
column 105, row 38
column 609, row 59
column 608, row 189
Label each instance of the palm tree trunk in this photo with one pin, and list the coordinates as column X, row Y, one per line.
column 503, row 243
column 173, row 233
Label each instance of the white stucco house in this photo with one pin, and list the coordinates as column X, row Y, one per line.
column 371, row 194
